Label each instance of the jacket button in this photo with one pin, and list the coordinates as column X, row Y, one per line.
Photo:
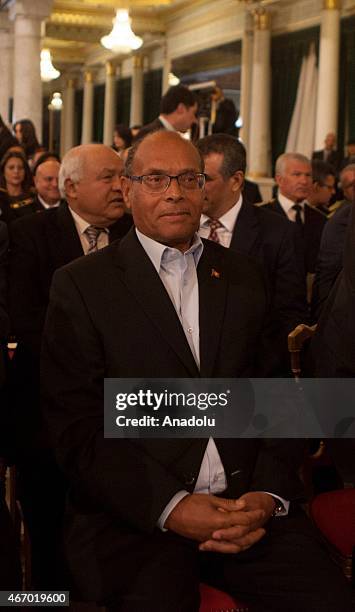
column 189, row 479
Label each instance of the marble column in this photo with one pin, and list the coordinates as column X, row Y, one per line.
column 88, row 108
column 67, row 131
column 259, row 132
column 166, row 71
column 136, row 116
column 27, row 16
column 6, row 63
column 246, row 76
column 110, row 103
column 328, row 71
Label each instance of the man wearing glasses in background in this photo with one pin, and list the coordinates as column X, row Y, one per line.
column 148, row 519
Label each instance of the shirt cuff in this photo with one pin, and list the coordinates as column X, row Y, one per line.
column 284, row 502
column 170, row 507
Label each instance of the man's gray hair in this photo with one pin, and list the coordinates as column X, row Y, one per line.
column 348, row 168
column 285, row 157
column 72, row 167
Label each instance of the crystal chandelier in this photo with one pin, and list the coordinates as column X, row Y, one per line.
column 121, row 39
column 56, row 102
column 48, row 72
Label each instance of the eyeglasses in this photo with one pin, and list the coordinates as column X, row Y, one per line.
column 158, row 183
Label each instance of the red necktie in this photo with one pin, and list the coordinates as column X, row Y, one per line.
column 214, row 225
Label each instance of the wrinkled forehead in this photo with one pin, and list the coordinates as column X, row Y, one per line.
column 293, row 166
column 166, row 155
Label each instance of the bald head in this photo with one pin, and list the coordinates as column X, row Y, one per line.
column 46, row 181
column 90, row 180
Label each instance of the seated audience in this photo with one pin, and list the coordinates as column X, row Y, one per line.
column 148, row 519
column 230, row 219
column 7, row 140
column 350, row 156
column 16, row 187
column 330, row 259
column 91, row 217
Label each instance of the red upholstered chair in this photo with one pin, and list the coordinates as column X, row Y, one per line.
column 334, row 515
column 213, row 600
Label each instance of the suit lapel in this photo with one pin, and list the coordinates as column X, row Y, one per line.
column 246, row 230
column 213, row 284
column 142, row 280
column 63, row 239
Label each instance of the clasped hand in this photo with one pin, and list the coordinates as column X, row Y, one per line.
column 219, row 524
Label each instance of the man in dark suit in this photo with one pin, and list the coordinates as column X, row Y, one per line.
column 293, row 174
column 90, row 179
column 254, row 231
column 141, row 525
column 330, row 258
column 329, row 154
column 178, row 108
column 45, row 178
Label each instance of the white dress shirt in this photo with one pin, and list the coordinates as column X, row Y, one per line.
column 81, row 226
column 45, row 205
column 228, row 221
column 178, row 274
column 287, row 207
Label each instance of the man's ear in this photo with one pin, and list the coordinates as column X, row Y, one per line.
column 70, row 189
column 126, row 185
column 237, row 180
column 278, row 179
column 181, row 108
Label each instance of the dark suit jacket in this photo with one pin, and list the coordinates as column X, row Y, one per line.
column 4, row 319
column 330, row 258
column 313, row 227
column 40, row 244
column 251, row 192
column 154, row 126
column 120, row 487
column 273, row 241
column 334, row 158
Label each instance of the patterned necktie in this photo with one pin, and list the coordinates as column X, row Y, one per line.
column 92, row 233
column 214, row 225
column 298, row 218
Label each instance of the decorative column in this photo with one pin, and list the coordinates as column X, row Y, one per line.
column 27, row 16
column 166, row 71
column 136, row 117
column 259, row 133
column 328, row 76
column 88, row 108
column 246, row 76
column 110, row 103
column 6, row 63
column 67, row 131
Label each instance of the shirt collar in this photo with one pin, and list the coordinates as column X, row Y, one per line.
column 44, row 203
column 228, row 220
column 286, row 203
column 160, row 253
column 82, row 225
column 166, row 124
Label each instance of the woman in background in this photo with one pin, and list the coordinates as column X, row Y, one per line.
column 16, row 187
column 26, row 135
column 122, row 137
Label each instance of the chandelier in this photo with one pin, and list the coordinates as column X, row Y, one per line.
column 48, row 72
column 121, row 39
column 56, row 102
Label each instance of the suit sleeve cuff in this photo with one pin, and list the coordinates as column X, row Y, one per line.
column 170, row 507
column 284, row 503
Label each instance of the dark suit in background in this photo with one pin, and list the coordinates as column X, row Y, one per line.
column 119, row 488
column 154, row 126
column 274, row 242
column 314, row 222
column 330, row 258
column 334, row 158
column 251, row 192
